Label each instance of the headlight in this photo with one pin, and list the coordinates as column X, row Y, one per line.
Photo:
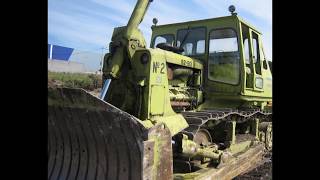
column 144, row 58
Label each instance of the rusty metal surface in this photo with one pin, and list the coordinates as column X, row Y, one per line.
column 179, row 103
column 242, row 163
column 89, row 139
column 148, row 160
column 163, row 154
column 202, row 137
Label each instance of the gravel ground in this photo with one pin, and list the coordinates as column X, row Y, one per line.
column 262, row 172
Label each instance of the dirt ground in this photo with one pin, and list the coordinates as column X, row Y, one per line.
column 262, row 172
column 56, row 83
column 95, row 92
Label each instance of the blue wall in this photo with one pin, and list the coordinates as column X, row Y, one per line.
column 60, row 52
column 91, row 60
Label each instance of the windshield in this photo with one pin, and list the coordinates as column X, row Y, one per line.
column 193, row 41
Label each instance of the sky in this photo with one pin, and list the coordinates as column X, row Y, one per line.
column 88, row 24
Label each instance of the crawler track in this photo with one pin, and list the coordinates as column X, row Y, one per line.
column 254, row 169
column 199, row 118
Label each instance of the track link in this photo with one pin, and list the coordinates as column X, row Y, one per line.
column 197, row 119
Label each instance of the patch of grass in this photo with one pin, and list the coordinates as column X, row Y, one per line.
column 75, row 80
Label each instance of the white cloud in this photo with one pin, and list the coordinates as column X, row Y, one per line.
column 107, row 16
column 92, row 26
column 118, row 5
column 81, row 31
column 267, row 44
column 259, row 12
column 212, row 7
column 259, row 8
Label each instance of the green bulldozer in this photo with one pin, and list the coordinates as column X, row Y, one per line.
column 197, row 104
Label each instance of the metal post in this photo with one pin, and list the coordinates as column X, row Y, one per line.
column 50, row 51
column 231, row 133
column 101, row 61
column 105, row 89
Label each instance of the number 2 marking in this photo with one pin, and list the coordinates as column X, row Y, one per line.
column 156, row 66
column 162, row 68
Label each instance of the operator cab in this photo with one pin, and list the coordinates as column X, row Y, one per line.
column 235, row 66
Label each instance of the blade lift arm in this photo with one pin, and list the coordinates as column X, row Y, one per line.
column 125, row 42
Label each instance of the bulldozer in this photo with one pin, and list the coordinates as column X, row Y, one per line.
column 196, row 104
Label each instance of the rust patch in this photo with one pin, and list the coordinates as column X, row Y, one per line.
column 148, row 159
column 164, row 165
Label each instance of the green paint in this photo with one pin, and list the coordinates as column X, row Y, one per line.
column 150, row 82
column 143, row 89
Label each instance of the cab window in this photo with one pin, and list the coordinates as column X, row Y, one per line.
column 256, row 53
column 201, row 47
column 167, row 38
column 192, row 40
column 224, row 56
column 246, row 50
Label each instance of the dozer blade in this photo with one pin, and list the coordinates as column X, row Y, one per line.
column 89, row 139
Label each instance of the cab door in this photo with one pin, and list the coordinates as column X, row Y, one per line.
column 251, row 49
column 257, row 61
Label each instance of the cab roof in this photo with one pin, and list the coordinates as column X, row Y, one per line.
column 204, row 21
